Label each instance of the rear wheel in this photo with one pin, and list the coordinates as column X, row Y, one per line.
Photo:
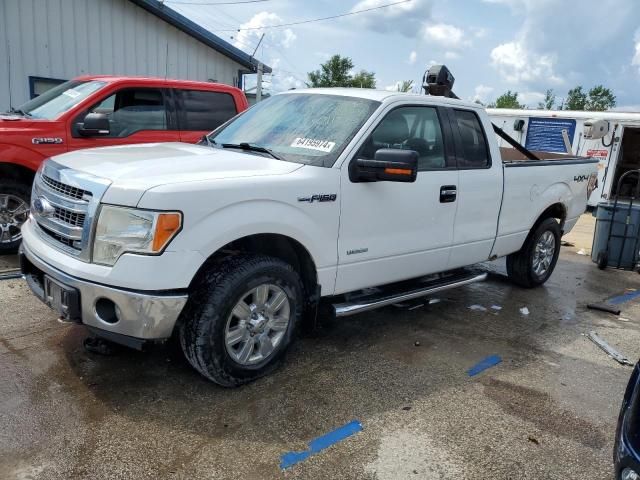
column 241, row 319
column 14, row 211
column 534, row 263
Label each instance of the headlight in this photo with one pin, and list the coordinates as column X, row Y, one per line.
column 129, row 230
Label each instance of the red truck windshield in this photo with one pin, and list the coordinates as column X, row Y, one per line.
column 58, row 100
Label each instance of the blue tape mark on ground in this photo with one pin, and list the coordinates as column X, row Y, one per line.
column 624, row 298
column 481, row 366
column 291, row 458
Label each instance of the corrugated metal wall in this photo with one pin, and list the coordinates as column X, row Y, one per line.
column 66, row 38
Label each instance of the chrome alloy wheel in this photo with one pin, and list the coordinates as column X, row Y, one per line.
column 543, row 253
column 13, row 213
column 257, row 324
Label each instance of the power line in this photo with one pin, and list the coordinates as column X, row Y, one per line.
column 319, row 19
column 216, row 3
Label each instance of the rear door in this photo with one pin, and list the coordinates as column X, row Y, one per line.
column 479, row 188
column 201, row 111
column 136, row 115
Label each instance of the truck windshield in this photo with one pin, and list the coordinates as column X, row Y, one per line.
column 59, row 99
column 298, row 127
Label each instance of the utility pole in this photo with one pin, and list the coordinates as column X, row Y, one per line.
column 259, row 84
column 259, row 79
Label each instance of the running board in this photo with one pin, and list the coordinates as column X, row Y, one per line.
column 364, row 305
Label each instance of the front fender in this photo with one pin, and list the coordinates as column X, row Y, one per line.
column 308, row 225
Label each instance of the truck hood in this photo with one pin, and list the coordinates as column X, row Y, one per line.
column 133, row 169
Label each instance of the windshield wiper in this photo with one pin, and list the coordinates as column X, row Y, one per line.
column 251, row 148
column 19, row 112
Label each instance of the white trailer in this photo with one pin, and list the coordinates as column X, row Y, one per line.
column 616, row 143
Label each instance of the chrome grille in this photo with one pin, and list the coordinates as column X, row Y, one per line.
column 68, row 242
column 66, row 190
column 64, row 205
column 67, row 216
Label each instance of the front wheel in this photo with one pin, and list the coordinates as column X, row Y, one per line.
column 242, row 317
column 534, row 263
column 14, row 211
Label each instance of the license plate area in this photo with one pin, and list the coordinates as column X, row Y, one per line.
column 61, row 298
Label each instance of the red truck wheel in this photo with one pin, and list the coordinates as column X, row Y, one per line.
column 14, row 211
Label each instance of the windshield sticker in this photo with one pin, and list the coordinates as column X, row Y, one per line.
column 314, row 144
column 71, row 93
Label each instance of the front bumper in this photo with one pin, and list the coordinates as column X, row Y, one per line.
column 140, row 315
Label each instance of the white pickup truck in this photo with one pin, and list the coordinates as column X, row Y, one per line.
column 311, row 195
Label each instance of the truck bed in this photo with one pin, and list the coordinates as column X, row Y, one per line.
column 513, row 158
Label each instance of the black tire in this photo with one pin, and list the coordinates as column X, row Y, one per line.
column 23, row 192
column 603, row 260
column 203, row 322
column 520, row 264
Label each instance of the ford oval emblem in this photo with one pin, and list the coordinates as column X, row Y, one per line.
column 42, row 207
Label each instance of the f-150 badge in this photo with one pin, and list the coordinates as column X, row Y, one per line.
column 319, row 197
column 46, row 140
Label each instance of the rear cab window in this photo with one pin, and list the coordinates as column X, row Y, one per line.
column 472, row 140
column 204, row 110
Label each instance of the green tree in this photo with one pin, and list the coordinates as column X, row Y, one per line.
column 336, row 72
column 508, row 99
column 576, row 99
column 405, row 86
column 549, row 100
column 363, row 79
column 600, row 99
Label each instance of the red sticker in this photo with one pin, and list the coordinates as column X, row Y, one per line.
column 598, row 153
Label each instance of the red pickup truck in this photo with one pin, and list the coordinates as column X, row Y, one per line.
column 96, row 111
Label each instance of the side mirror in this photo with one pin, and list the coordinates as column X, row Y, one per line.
column 389, row 165
column 94, row 125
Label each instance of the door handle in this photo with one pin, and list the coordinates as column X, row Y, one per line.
column 448, row 193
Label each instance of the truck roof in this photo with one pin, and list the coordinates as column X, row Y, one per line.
column 382, row 95
column 156, row 81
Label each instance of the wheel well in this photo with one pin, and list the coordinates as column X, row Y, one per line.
column 274, row 245
column 17, row 172
column 557, row 211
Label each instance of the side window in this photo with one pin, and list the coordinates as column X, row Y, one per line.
column 474, row 143
column 410, row 128
column 132, row 110
column 206, row 110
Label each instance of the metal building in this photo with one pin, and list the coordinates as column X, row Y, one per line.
column 45, row 42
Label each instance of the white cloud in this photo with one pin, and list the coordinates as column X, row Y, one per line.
column 248, row 39
column 445, row 35
column 518, row 65
column 413, row 56
column 481, row 93
column 404, row 18
column 636, row 58
column 530, row 98
column 451, row 55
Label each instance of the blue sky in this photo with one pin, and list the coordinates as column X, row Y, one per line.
column 489, row 45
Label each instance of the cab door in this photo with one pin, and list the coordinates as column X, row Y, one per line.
column 135, row 115
column 393, row 231
column 479, row 188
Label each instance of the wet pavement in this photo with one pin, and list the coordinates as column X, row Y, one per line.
column 548, row 411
